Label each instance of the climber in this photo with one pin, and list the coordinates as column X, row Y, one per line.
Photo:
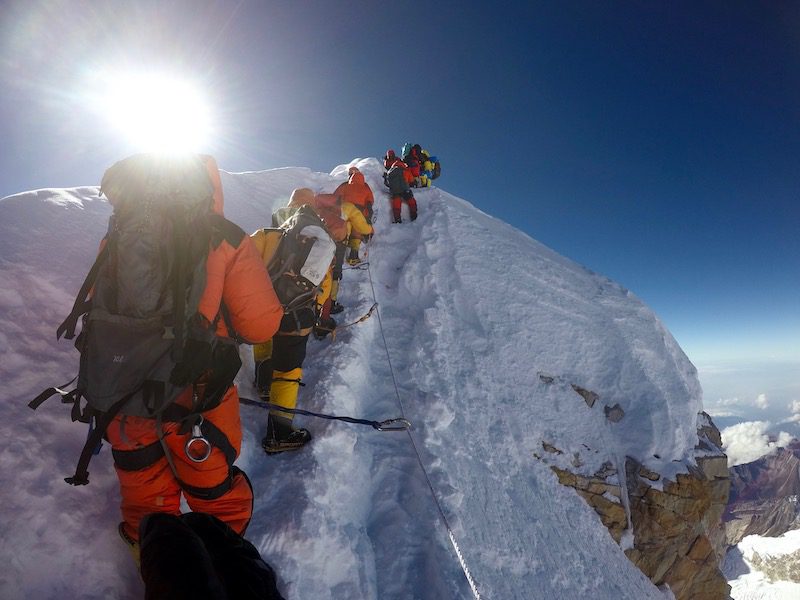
column 356, row 191
column 397, row 178
column 279, row 363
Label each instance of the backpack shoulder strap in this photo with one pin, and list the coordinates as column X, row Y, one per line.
column 267, row 241
column 82, row 301
column 224, row 230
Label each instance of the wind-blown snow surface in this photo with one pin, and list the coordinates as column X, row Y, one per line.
column 472, row 310
column 759, row 568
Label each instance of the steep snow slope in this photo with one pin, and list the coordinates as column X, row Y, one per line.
column 472, row 311
column 765, row 568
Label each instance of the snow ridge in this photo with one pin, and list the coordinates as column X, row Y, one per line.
column 472, row 311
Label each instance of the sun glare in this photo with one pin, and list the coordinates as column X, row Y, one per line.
column 157, row 113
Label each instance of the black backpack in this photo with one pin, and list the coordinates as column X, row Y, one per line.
column 142, row 341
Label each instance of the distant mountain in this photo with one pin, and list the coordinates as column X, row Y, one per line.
column 764, row 496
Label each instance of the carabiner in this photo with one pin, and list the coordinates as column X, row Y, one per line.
column 194, row 452
column 398, row 424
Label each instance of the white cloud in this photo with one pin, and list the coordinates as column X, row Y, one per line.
column 749, row 441
column 729, row 402
column 736, row 407
column 721, row 412
column 794, row 407
column 724, row 407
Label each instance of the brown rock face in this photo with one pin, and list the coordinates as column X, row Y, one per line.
column 678, row 535
column 764, row 495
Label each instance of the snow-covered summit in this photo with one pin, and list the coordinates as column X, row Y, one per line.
column 483, row 336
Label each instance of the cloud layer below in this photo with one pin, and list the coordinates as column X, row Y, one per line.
column 746, row 442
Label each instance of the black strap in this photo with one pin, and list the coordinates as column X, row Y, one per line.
column 225, row 313
column 49, row 392
column 141, row 458
column 72, row 397
column 297, row 381
column 211, row 493
column 397, row 424
column 217, row 438
column 153, row 394
column 179, row 288
column 138, row 458
column 81, row 476
column 82, row 304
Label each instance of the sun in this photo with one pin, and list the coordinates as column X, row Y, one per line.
column 157, row 112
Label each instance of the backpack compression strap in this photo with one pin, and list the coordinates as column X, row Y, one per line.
column 81, row 476
column 179, row 287
column 82, row 303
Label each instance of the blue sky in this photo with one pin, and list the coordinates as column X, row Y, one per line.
column 654, row 142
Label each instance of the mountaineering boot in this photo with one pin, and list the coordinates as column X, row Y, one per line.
column 397, row 220
column 263, row 378
column 352, row 258
column 336, row 308
column 133, row 545
column 282, row 437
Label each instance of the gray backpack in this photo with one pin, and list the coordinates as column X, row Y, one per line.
column 142, row 341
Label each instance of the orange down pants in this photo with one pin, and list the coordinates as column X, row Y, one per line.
column 221, row 491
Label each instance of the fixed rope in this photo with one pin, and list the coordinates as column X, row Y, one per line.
column 396, row 424
column 473, row 586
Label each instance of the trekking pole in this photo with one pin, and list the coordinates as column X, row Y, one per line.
column 396, row 424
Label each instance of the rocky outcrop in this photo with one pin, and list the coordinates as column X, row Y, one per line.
column 678, row 537
column 765, row 496
column 678, row 533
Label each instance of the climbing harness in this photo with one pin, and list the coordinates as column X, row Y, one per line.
column 197, row 448
column 397, row 424
column 462, row 562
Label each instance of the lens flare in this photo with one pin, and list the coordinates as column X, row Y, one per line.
column 157, row 112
